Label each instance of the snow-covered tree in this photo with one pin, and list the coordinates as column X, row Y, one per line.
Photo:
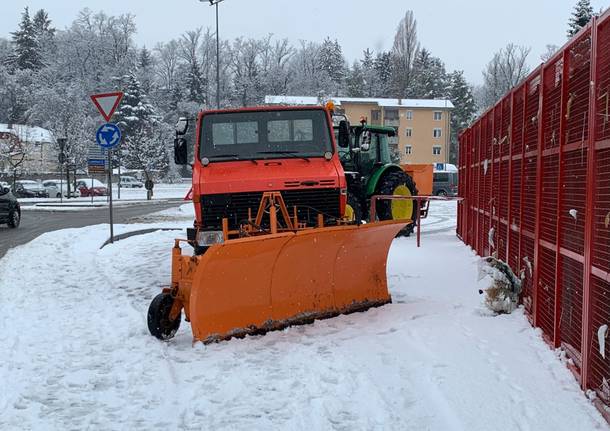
column 384, row 69
column 507, row 68
column 308, row 76
column 26, row 53
column 404, row 51
column 460, row 94
column 145, row 137
column 582, row 14
column 369, row 75
column 333, row 64
column 355, row 83
column 429, row 77
column 45, row 35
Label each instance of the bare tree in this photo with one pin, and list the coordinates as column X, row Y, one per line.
column 551, row 49
column 404, row 52
column 507, row 68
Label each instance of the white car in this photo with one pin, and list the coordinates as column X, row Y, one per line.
column 130, row 182
column 53, row 187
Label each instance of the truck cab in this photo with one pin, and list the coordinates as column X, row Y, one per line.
column 240, row 154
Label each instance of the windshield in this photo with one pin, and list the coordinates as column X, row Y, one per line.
column 265, row 135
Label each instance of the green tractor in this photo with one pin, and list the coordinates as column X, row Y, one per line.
column 369, row 170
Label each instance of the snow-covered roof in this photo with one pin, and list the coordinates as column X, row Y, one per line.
column 29, row 134
column 386, row 103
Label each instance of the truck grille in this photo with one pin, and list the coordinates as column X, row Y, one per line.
column 235, row 206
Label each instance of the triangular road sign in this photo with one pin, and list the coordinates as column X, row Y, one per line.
column 107, row 103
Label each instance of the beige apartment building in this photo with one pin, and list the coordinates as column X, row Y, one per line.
column 423, row 127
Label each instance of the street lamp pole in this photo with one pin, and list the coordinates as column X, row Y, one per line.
column 215, row 3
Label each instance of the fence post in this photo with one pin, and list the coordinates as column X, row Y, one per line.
column 557, row 306
column 538, row 200
column 590, row 212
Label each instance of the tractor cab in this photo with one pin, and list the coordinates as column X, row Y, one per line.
column 369, row 170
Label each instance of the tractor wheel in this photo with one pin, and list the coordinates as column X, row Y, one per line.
column 14, row 218
column 159, row 324
column 398, row 183
column 353, row 209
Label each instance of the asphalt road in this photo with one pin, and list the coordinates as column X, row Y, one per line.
column 35, row 223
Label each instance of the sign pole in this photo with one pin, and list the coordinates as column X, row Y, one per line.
column 110, row 194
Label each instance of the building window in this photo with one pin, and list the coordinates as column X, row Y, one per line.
column 376, row 116
column 391, row 114
column 409, row 115
column 408, row 132
column 438, row 115
column 437, row 133
column 436, row 150
column 408, row 149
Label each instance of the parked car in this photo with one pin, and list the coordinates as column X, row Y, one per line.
column 29, row 189
column 10, row 211
column 130, row 182
column 91, row 187
column 445, row 183
column 56, row 188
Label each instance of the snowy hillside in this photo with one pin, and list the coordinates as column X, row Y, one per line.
column 77, row 354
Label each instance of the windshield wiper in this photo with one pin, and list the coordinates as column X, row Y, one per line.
column 287, row 153
column 234, row 156
column 224, row 155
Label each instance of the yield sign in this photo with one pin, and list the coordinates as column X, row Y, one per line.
column 107, row 103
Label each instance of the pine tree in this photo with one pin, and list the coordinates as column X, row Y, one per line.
column 355, row 83
column 384, row 70
column 26, row 47
column 45, row 35
column 582, row 14
column 145, row 59
column 371, row 81
column 429, row 77
column 144, row 136
column 460, row 94
column 333, row 63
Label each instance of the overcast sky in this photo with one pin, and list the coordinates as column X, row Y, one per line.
column 463, row 33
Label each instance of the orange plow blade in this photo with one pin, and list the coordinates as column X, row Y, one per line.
column 257, row 284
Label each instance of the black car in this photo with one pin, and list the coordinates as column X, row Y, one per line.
column 10, row 211
column 29, row 189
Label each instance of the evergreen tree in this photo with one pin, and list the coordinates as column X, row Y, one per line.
column 582, row 14
column 369, row 75
column 45, row 35
column 460, row 94
column 355, row 83
column 145, row 59
column 144, row 137
column 333, row 63
column 26, row 53
column 384, row 71
column 429, row 77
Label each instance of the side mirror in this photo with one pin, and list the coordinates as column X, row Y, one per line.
column 182, row 126
column 343, row 134
column 180, row 151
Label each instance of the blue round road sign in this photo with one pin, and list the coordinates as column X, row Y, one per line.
column 108, row 135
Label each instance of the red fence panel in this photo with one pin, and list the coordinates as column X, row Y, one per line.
column 536, row 182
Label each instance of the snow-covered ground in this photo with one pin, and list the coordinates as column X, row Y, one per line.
column 76, row 353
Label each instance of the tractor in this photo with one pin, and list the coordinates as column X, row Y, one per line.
column 369, row 170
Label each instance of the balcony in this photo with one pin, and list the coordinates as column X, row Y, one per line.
column 391, row 123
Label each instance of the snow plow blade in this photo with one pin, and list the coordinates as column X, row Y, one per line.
column 256, row 284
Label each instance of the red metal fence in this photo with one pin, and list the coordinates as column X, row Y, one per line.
column 535, row 175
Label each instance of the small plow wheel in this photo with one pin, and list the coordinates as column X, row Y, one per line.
column 159, row 324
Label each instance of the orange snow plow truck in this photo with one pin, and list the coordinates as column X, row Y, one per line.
column 271, row 245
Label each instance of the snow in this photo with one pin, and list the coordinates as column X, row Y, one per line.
column 29, row 134
column 388, row 103
column 77, row 354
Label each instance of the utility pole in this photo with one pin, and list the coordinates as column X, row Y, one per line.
column 215, row 3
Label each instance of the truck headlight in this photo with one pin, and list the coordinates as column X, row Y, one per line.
column 207, row 238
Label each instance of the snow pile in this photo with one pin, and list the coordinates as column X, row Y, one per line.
column 77, row 354
column 502, row 292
